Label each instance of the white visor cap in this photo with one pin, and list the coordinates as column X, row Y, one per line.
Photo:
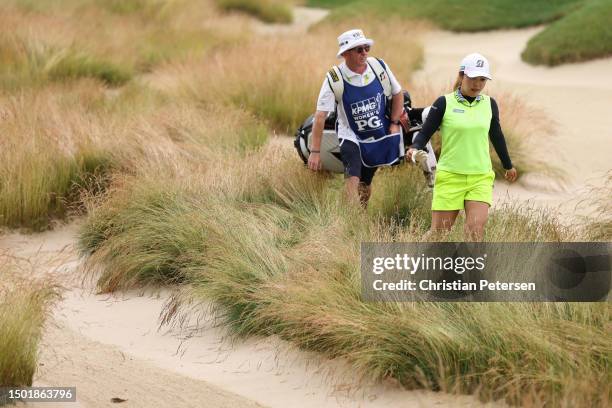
column 351, row 39
column 475, row 65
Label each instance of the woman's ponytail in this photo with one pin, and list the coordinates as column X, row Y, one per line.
column 458, row 81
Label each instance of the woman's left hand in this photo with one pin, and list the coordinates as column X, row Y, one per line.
column 409, row 153
column 511, row 175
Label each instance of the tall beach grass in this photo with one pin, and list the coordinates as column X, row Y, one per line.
column 181, row 189
column 80, row 135
column 25, row 303
column 103, row 132
column 278, row 78
column 108, row 40
column 281, row 257
column 60, row 137
column 56, row 62
column 598, row 226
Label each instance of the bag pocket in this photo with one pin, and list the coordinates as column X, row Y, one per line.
column 385, row 151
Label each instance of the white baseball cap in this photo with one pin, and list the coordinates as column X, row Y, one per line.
column 351, row 39
column 475, row 65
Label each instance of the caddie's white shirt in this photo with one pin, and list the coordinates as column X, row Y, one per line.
column 327, row 100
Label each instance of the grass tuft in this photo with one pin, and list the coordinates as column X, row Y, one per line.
column 268, row 11
column 598, row 226
column 24, row 306
column 74, row 65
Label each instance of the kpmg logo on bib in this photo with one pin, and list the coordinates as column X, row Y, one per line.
column 365, row 113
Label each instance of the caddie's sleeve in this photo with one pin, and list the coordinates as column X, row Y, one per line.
column 327, row 100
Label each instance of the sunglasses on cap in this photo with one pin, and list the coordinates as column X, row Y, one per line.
column 360, row 50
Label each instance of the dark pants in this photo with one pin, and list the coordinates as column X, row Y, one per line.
column 353, row 167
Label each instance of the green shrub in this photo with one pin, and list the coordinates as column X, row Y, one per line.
column 580, row 36
column 73, row 65
column 268, row 11
column 29, row 62
column 124, row 6
column 462, row 15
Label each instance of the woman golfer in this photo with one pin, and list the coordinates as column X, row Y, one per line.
column 467, row 120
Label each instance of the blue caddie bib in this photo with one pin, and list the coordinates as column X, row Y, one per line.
column 365, row 108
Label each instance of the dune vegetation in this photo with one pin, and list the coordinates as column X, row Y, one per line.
column 112, row 41
column 278, row 253
column 85, row 131
column 25, row 303
column 282, row 92
column 81, row 131
column 598, row 226
column 184, row 186
column 578, row 30
column 57, row 105
column 268, row 11
column 79, row 137
column 460, row 15
column 580, row 36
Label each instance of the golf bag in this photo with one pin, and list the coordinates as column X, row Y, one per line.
column 331, row 159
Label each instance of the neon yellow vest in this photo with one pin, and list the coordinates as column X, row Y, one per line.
column 465, row 136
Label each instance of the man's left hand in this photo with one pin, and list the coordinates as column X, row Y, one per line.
column 394, row 128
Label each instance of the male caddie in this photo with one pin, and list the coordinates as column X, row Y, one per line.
column 361, row 88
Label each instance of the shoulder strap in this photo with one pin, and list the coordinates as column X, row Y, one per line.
column 380, row 70
column 334, row 78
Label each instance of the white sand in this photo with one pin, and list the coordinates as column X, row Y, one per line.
column 577, row 97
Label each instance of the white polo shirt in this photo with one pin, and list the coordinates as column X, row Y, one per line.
column 327, row 100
